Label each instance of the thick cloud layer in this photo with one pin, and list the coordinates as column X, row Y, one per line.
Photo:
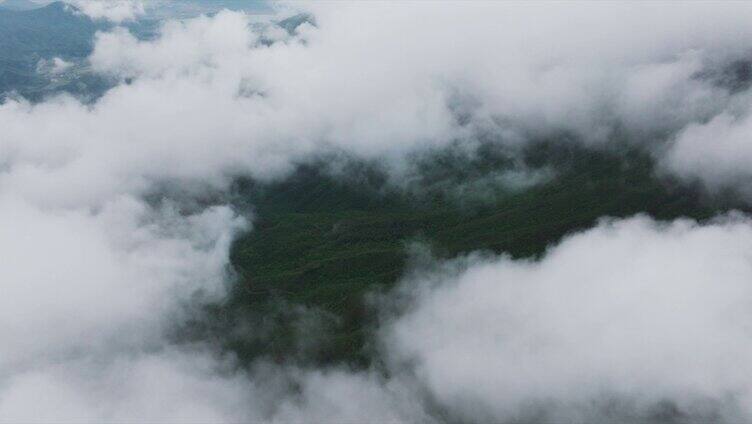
column 87, row 298
column 619, row 318
column 611, row 322
column 717, row 152
column 211, row 98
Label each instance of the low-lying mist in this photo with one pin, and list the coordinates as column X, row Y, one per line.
column 191, row 245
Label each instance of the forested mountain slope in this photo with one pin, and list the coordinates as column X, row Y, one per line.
column 326, row 241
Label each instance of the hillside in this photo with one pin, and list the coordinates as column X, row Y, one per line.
column 325, row 242
column 53, row 30
column 31, row 37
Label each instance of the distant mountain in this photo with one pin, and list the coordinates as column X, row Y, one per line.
column 161, row 9
column 292, row 23
column 35, row 32
column 19, row 5
column 53, row 30
column 28, row 37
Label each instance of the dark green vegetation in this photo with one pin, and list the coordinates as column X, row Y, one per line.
column 325, row 240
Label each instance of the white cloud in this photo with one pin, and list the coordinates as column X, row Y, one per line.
column 380, row 80
column 631, row 311
column 161, row 386
column 91, row 293
column 53, row 67
column 207, row 101
column 93, row 275
column 717, row 152
column 112, row 10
